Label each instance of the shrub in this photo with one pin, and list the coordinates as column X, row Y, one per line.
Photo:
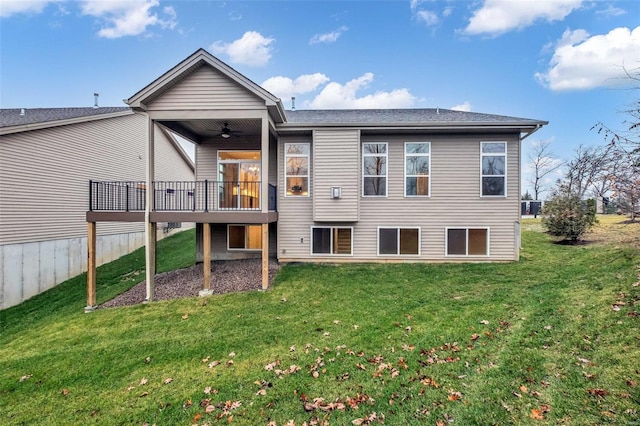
column 567, row 216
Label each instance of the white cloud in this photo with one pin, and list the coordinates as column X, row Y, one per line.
column 465, row 106
column 428, row 17
column 251, row 49
column 331, row 37
column 12, row 7
column 339, row 96
column 127, row 17
column 584, row 62
column 496, row 17
column 611, row 11
column 285, row 88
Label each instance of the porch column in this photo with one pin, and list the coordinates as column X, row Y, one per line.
column 264, row 166
column 91, row 267
column 150, row 228
column 265, row 256
column 206, row 259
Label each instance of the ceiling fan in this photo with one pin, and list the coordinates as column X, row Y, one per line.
column 226, row 132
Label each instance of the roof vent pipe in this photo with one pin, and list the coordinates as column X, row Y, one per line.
column 293, row 103
column 95, row 99
column 438, row 110
column 22, row 112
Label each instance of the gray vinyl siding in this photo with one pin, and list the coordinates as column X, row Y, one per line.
column 336, row 154
column 294, row 213
column 454, row 202
column 44, row 175
column 206, row 88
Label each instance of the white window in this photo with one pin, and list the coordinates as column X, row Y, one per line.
column 398, row 241
column 331, row 240
column 374, row 169
column 296, row 171
column 244, row 237
column 493, row 164
column 467, row 241
column 417, row 161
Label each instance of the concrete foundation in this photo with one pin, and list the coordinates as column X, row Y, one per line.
column 30, row 268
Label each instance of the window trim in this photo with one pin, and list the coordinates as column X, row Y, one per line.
column 331, row 248
column 405, row 169
column 386, row 175
column 466, row 228
column 245, row 225
column 399, row 228
column 504, row 176
column 308, row 175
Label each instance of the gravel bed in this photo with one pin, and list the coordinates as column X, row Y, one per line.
column 228, row 276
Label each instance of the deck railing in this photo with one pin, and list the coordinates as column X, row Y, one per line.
column 195, row 196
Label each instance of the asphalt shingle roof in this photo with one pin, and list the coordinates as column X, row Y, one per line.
column 12, row 116
column 398, row 116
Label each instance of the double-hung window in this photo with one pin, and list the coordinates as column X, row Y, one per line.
column 296, row 174
column 467, row 241
column 331, row 240
column 493, row 162
column 398, row 241
column 374, row 169
column 417, row 160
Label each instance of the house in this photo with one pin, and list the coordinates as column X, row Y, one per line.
column 397, row 185
column 47, row 157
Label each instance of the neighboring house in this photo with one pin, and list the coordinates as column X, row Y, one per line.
column 414, row 185
column 47, row 157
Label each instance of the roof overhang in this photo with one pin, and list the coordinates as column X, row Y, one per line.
column 47, row 124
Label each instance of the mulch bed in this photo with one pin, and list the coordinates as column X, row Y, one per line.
column 229, row 276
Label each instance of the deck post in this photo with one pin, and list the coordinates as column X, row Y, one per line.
column 91, row 267
column 206, row 259
column 151, row 228
column 265, row 256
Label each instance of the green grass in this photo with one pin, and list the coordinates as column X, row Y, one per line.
column 482, row 344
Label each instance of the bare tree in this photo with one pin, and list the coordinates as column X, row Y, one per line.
column 587, row 170
column 544, row 163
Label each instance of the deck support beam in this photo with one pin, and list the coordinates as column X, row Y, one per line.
column 151, row 228
column 265, row 256
column 91, row 267
column 150, row 259
column 206, row 259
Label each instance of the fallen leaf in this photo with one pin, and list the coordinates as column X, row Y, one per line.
column 355, row 326
column 185, row 316
column 207, row 390
column 209, row 409
column 598, row 392
column 187, row 404
column 615, row 307
column 167, row 381
column 261, row 392
column 536, row 414
column 143, row 382
column 408, row 328
column 65, row 392
column 485, row 322
column 27, row 377
column 232, row 354
column 197, row 418
column 147, row 360
column 336, row 322
column 144, row 394
column 523, row 389
column 213, row 364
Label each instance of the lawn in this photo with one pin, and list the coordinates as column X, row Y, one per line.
column 551, row 339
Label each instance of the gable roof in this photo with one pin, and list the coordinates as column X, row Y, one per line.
column 14, row 120
column 203, row 58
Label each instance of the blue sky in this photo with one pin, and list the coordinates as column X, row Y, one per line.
column 555, row 60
